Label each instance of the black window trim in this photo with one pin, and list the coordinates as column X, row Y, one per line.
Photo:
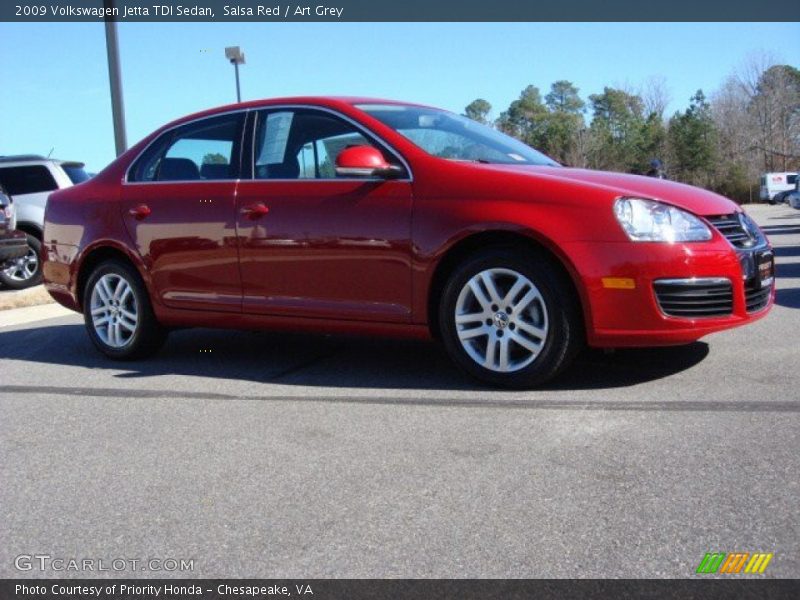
column 247, row 141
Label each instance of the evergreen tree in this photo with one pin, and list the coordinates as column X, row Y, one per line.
column 692, row 142
column 478, row 110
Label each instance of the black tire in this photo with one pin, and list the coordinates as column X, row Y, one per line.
column 148, row 335
column 565, row 335
column 19, row 279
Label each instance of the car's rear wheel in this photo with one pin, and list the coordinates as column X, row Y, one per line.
column 509, row 318
column 25, row 271
column 118, row 313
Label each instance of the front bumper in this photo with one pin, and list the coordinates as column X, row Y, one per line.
column 13, row 245
column 634, row 317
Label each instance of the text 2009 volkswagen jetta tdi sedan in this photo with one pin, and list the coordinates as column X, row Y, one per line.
column 369, row 216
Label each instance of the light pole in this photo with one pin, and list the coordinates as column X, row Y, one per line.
column 235, row 56
column 115, row 82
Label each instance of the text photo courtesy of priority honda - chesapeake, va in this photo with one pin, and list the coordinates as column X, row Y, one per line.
column 339, row 301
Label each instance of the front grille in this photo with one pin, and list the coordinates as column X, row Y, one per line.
column 756, row 299
column 731, row 228
column 693, row 298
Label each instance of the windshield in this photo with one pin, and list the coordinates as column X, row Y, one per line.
column 450, row 136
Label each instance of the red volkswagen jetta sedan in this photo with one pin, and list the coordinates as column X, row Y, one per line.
column 370, row 216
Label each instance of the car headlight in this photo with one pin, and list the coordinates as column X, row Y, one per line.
column 651, row 221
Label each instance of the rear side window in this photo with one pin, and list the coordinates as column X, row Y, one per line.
column 27, row 180
column 204, row 150
column 75, row 173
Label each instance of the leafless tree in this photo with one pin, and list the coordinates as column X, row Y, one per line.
column 655, row 95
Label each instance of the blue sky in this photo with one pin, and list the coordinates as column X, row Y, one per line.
column 55, row 78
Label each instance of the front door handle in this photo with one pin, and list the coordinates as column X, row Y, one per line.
column 140, row 212
column 255, row 211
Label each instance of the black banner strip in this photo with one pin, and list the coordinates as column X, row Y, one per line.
column 394, row 589
column 276, row 11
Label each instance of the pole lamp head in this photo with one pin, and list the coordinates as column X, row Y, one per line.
column 234, row 55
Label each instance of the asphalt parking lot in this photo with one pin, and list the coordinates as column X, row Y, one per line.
column 267, row 455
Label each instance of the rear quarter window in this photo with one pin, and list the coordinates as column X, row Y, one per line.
column 75, row 173
column 27, row 180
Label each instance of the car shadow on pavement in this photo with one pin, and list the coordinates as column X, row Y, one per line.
column 326, row 361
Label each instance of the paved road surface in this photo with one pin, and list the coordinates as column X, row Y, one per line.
column 294, row 456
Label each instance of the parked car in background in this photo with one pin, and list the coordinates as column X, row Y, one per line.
column 385, row 218
column 793, row 199
column 776, row 186
column 12, row 243
column 29, row 179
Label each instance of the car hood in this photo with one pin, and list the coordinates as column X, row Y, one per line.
column 695, row 200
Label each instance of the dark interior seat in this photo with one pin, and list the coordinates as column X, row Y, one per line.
column 289, row 169
column 178, row 169
column 215, row 171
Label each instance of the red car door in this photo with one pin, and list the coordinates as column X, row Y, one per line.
column 313, row 244
column 179, row 208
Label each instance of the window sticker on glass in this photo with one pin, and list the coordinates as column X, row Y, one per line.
column 273, row 150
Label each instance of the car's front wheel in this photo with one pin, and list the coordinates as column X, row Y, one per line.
column 118, row 313
column 510, row 318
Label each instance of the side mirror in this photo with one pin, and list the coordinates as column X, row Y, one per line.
column 364, row 161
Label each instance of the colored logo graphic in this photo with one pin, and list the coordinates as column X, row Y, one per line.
column 720, row 562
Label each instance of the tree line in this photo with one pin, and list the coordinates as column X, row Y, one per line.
column 722, row 142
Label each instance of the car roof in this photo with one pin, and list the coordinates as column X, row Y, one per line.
column 323, row 101
column 36, row 158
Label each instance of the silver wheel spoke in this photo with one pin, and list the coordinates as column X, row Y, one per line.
column 128, row 315
column 531, row 329
column 501, row 320
column 503, row 362
column 479, row 294
column 529, row 345
column 526, row 300
column 121, row 286
column 128, row 325
column 468, row 334
column 488, row 282
column 514, row 291
column 488, row 361
column 471, row 318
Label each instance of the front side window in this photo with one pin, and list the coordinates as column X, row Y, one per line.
column 451, row 136
column 27, row 180
column 200, row 151
column 303, row 144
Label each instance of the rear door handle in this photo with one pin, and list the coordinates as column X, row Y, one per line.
column 140, row 212
column 255, row 211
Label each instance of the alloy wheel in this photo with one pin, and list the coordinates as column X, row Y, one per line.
column 22, row 268
column 114, row 311
column 501, row 320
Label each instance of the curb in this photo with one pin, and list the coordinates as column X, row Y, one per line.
column 31, row 314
